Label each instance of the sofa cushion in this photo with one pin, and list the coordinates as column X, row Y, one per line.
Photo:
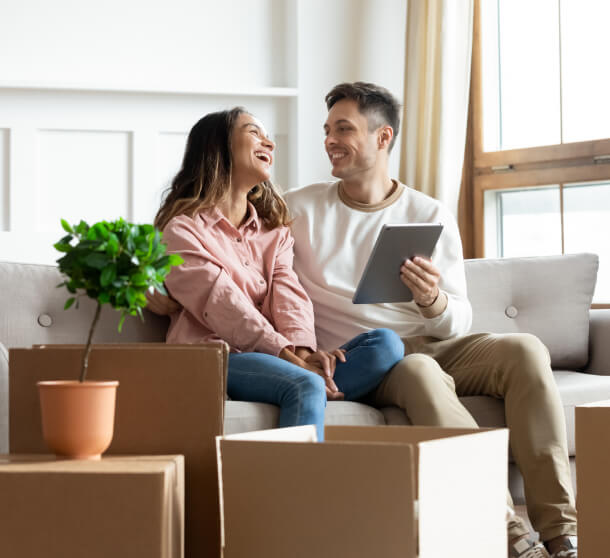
column 246, row 417
column 547, row 296
column 33, row 308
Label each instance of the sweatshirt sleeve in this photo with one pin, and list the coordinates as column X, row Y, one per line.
column 205, row 289
column 456, row 317
column 290, row 306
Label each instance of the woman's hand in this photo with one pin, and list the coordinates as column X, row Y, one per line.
column 301, row 358
column 325, row 360
column 161, row 304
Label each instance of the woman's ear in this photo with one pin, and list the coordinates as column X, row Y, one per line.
column 386, row 133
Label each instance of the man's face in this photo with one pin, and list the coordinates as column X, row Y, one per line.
column 351, row 148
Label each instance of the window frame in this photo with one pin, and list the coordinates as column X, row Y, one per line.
column 523, row 168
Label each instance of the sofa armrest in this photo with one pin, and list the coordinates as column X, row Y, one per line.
column 3, row 399
column 599, row 345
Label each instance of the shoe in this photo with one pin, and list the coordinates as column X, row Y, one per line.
column 568, row 549
column 525, row 548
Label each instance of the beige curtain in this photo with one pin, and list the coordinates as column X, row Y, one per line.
column 437, row 80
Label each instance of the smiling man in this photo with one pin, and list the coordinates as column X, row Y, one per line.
column 335, row 227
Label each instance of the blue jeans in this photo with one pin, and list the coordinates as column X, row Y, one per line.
column 301, row 394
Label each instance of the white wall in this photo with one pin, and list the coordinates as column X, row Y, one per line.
column 344, row 40
column 182, row 44
column 96, row 98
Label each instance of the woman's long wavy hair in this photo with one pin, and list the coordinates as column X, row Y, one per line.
column 205, row 176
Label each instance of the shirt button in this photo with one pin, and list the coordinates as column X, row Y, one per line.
column 261, row 282
column 238, row 239
column 245, row 263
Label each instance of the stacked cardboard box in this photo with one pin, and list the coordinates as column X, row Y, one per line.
column 593, row 478
column 366, row 491
column 119, row 507
column 170, row 400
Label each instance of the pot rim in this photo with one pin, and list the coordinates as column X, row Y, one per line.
column 77, row 383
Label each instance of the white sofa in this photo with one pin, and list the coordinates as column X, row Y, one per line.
column 547, row 296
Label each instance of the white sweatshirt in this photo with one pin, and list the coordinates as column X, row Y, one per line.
column 334, row 237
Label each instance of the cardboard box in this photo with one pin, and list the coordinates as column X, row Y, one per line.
column 388, row 491
column 170, row 400
column 593, row 478
column 119, row 507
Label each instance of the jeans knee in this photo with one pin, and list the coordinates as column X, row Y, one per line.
column 389, row 345
column 311, row 387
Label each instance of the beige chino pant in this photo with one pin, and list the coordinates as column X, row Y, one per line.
column 516, row 368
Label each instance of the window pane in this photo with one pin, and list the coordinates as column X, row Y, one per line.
column 529, row 222
column 585, row 43
column 520, row 71
column 587, row 228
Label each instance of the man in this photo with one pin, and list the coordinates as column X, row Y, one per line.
column 335, row 227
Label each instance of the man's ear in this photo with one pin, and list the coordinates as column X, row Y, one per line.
column 384, row 137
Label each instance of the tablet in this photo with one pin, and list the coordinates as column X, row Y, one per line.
column 380, row 281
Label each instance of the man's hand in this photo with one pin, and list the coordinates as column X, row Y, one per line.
column 422, row 278
column 161, row 304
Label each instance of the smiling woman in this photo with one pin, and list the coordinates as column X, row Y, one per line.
column 237, row 283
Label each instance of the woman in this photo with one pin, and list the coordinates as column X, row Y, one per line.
column 226, row 220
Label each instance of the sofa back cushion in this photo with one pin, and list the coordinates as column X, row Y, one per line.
column 32, row 312
column 549, row 297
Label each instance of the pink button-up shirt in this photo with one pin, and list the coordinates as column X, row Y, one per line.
column 237, row 285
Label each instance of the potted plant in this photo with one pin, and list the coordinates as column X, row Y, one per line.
column 112, row 263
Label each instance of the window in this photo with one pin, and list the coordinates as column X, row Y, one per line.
column 541, row 129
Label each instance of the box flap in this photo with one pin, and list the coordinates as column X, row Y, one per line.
column 393, row 433
column 304, row 499
column 463, row 481
column 600, row 404
column 305, row 433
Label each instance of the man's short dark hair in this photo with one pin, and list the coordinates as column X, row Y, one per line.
column 375, row 102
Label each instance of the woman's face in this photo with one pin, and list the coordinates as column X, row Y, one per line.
column 251, row 152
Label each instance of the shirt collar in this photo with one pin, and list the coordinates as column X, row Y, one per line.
column 212, row 216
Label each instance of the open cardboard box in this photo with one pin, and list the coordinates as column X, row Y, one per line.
column 122, row 507
column 593, row 478
column 170, row 400
column 388, row 491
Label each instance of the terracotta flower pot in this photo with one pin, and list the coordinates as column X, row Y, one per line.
column 78, row 417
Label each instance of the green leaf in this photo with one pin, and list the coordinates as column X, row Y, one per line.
column 97, row 260
column 81, row 228
column 113, row 244
column 66, row 226
column 62, row 247
column 69, row 302
column 130, row 294
column 139, row 279
column 175, row 259
column 103, row 298
column 108, row 275
column 121, row 321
